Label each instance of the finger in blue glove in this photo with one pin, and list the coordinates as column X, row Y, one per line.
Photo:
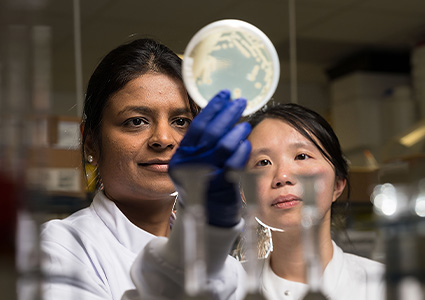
column 215, row 139
column 213, row 121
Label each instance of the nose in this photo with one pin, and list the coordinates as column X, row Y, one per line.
column 283, row 178
column 162, row 137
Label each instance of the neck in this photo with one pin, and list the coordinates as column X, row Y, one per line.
column 287, row 259
column 152, row 216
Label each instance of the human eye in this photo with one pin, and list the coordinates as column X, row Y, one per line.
column 134, row 122
column 182, row 122
column 263, row 162
column 302, row 156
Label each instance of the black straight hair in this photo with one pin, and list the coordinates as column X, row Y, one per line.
column 316, row 129
column 312, row 126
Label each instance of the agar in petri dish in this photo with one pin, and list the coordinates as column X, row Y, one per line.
column 234, row 55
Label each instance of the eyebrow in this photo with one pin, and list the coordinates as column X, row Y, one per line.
column 138, row 109
column 260, row 151
column 148, row 110
column 302, row 145
column 296, row 145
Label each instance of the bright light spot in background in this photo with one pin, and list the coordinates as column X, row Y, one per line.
column 387, row 204
column 420, row 200
column 384, row 199
column 388, row 199
column 420, row 205
column 410, row 288
column 378, row 200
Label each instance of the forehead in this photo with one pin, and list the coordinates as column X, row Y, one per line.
column 151, row 89
column 275, row 131
column 273, row 128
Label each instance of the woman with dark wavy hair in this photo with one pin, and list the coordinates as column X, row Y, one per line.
column 136, row 113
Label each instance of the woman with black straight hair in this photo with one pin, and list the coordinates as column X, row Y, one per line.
column 290, row 143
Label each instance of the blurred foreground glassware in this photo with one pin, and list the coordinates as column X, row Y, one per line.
column 310, row 230
column 248, row 182
column 194, row 180
column 400, row 212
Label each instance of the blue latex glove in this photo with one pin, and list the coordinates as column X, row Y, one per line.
column 215, row 140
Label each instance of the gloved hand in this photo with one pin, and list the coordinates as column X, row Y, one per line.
column 213, row 139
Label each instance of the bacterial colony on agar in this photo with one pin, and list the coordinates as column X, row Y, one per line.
column 227, row 55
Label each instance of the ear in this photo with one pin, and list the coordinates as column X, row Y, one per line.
column 242, row 196
column 339, row 187
column 90, row 147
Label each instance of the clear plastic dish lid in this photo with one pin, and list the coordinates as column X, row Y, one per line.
column 233, row 55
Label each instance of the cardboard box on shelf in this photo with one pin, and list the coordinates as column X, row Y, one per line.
column 64, row 131
column 404, row 169
column 56, row 171
column 362, row 182
column 54, row 131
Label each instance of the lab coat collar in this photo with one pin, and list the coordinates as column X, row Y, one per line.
column 280, row 288
column 128, row 234
column 332, row 275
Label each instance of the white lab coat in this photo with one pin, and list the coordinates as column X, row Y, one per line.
column 89, row 256
column 346, row 277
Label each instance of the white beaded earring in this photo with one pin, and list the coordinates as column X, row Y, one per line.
column 89, row 158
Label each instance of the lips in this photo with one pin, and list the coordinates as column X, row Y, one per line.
column 286, row 202
column 156, row 165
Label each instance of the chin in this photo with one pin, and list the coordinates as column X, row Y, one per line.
column 164, row 188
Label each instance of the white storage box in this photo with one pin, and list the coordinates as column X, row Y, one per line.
column 365, row 84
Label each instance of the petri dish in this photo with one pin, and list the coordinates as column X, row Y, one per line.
column 235, row 55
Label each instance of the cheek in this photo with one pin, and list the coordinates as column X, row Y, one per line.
column 322, row 171
column 325, row 176
column 263, row 187
column 316, row 170
column 325, row 189
column 178, row 136
column 116, row 148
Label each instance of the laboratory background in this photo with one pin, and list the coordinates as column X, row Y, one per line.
column 359, row 63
